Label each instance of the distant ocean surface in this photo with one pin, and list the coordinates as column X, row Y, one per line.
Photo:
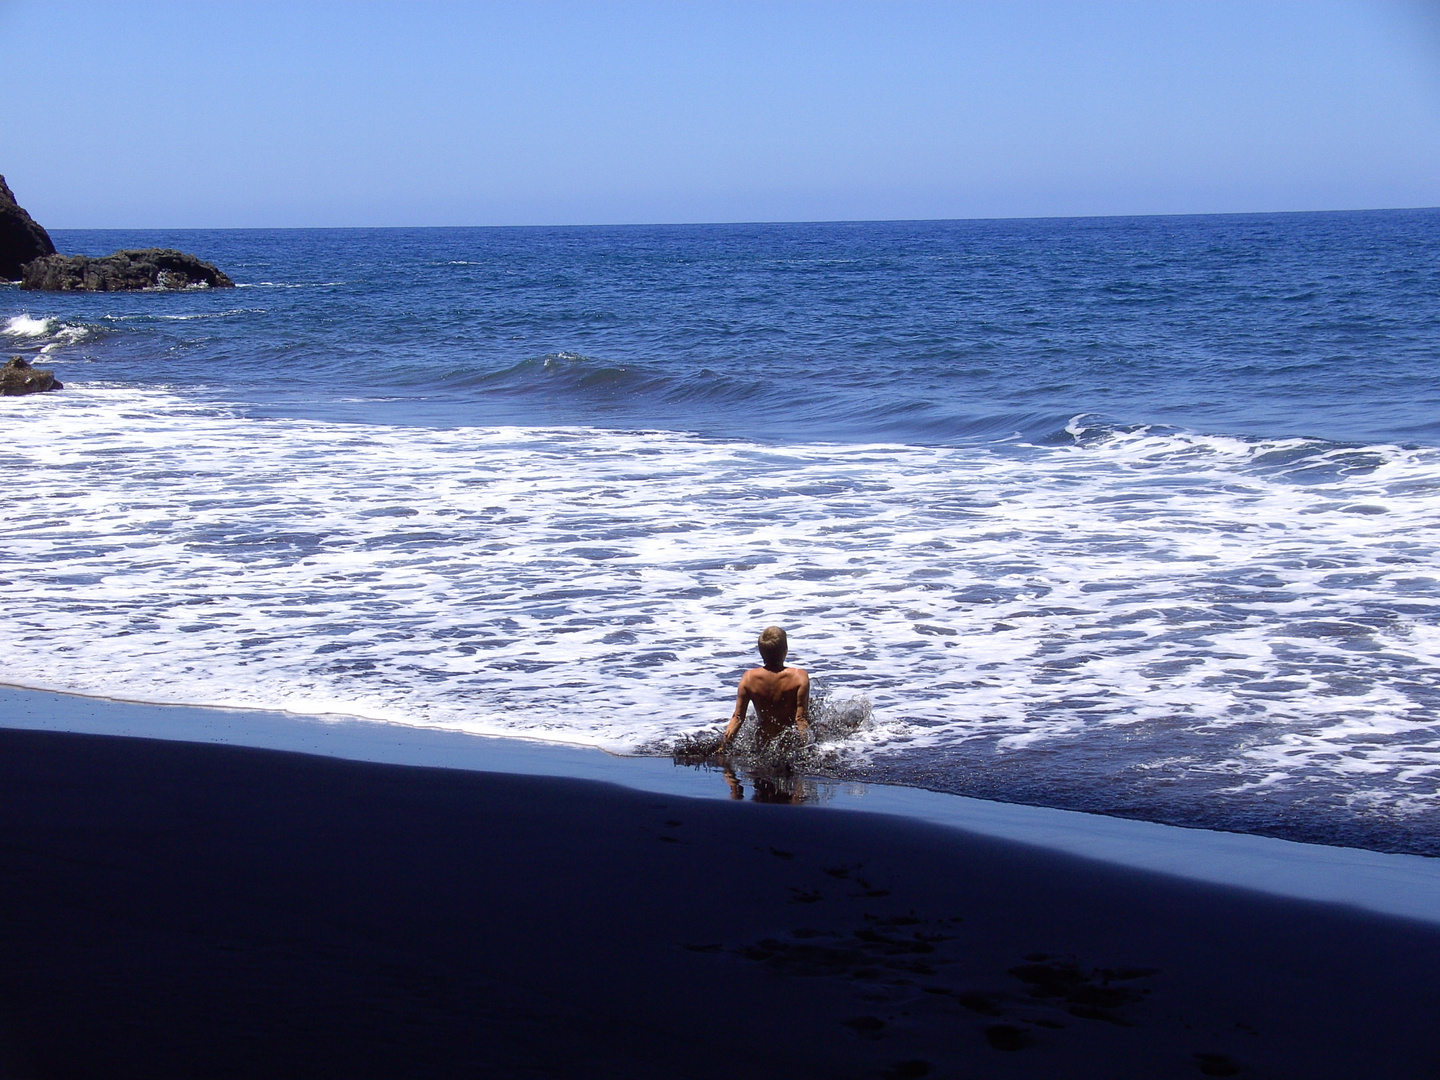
column 1138, row 516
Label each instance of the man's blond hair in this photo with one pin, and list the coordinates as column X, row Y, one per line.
column 773, row 645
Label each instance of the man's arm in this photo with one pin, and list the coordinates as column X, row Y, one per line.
column 742, row 703
column 802, row 705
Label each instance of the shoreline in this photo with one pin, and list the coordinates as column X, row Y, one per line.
column 1395, row 885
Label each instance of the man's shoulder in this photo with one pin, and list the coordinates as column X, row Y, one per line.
column 763, row 674
column 766, row 675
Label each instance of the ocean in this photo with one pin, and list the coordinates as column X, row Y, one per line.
column 1137, row 516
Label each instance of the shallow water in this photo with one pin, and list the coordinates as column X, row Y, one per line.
column 1138, row 517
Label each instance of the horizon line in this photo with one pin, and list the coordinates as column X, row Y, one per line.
column 749, row 222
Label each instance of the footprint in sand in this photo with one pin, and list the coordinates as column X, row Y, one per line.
column 1006, row 1037
column 1217, row 1065
column 908, row 1070
column 868, row 1027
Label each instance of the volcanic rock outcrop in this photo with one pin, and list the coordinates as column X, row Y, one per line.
column 21, row 237
column 17, row 377
column 27, row 255
column 148, row 268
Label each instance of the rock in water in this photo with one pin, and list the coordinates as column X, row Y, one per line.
column 150, row 268
column 21, row 237
column 26, row 253
column 17, row 377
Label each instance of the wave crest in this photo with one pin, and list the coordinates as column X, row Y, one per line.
column 47, row 331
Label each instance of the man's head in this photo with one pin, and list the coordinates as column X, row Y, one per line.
column 773, row 647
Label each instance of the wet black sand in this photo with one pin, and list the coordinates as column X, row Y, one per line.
column 181, row 910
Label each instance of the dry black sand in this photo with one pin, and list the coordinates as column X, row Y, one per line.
column 181, row 910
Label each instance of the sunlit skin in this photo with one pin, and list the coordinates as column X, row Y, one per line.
column 780, row 694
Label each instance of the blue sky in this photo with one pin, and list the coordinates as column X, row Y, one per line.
column 204, row 114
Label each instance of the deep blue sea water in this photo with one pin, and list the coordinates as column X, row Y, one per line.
column 1130, row 515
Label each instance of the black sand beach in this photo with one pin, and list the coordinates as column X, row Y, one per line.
column 181, row 910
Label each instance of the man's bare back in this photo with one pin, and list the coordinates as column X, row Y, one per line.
column 781, row 694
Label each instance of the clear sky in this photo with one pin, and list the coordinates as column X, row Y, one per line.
column 212, row 114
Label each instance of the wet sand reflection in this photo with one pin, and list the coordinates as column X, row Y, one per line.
column 770, row 786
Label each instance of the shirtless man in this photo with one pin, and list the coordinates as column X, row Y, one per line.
column 781, row 694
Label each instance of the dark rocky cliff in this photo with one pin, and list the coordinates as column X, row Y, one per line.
column 21, row 237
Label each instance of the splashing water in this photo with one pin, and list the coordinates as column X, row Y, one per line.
column 831, row 722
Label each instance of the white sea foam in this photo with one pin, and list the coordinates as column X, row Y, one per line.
column 605, row 587
column 287, row 284
column 205, row 315
column 28, row 326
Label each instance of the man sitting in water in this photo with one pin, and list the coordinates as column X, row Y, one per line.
column 781, row 694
